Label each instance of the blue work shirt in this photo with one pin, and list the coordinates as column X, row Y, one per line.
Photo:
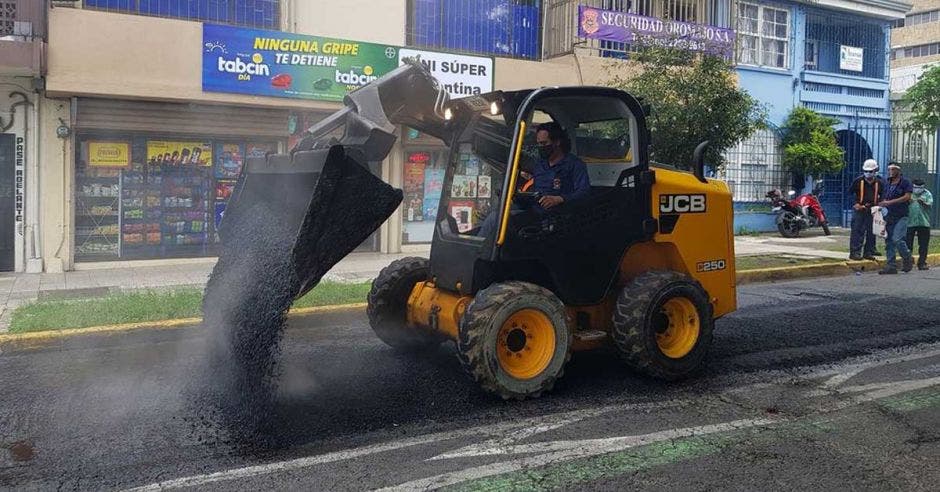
column 568, row 178
column 897, row 190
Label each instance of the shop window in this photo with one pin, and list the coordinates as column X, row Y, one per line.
column 422, row 181
column 143, row 198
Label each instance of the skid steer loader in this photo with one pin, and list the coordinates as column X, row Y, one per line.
column 644, row 262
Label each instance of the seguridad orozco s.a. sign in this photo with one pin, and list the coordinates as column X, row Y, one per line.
column 273, row 63
column 624, row 27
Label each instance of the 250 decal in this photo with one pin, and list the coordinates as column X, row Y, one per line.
column 711, row 266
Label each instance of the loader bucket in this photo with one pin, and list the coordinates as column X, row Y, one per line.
column 327, row 197
column 289, row 220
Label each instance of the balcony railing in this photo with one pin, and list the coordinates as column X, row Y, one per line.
column 561, row 21
column 22, row 20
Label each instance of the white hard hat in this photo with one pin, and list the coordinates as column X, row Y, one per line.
column 870, row 165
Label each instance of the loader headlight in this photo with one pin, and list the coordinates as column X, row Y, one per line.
column 494, row 108
column 448, row 114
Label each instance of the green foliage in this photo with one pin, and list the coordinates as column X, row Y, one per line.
column 924, row 99
column 809, row 143
column 152, row 305
column 693, row 97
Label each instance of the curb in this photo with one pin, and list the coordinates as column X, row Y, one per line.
column 6, row 338
column 819, row 270
column 761, row 275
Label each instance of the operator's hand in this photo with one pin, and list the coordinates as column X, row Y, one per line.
column 549, row 201
column 526, row 176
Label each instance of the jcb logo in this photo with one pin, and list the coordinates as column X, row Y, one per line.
column 681, row 204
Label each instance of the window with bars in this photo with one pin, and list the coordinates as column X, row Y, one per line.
column 833, row 33
column 754, row 166
column 509, row 28
column 763, row 35
column 264, row 14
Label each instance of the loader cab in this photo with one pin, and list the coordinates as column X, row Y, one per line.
column 574, row 249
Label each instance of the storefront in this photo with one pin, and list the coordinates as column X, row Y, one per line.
column 152, row 179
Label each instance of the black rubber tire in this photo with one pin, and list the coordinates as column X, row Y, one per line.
column 634, row 332
column 388, row 305
column 788, row 233
column 825, row 228
column 478, row 338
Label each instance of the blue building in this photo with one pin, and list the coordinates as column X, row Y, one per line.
column 831, row 56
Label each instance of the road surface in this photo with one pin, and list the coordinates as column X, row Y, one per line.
column 826, row 383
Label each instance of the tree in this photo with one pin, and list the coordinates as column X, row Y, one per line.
column 693, row 97
column 924, row 99
column 809, row 143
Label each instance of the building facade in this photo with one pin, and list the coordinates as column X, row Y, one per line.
column 829, row 56
column 22, row 66
column 143, row 117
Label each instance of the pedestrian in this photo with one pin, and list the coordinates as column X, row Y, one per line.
column 867, row 190
column 896, row 200
column 918, row 222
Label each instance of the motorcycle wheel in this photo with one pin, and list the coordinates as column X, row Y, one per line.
column 789, row 226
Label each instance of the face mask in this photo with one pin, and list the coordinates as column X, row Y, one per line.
column 869, row 174
column 918, row 189
column 545, row 151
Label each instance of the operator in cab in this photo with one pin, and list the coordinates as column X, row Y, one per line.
column 559, row 176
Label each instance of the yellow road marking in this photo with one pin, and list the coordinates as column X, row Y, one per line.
column 158, row 324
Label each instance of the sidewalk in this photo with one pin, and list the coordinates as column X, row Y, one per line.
column 16, row 289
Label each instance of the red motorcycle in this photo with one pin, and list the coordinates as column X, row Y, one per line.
column 797, row 214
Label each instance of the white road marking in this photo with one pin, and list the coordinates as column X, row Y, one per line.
column 560, row 451
column 522, row 426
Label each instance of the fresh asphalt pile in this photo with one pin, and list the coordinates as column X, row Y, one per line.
column 274, row 251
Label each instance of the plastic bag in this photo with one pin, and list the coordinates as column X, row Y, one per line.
column 878, row 225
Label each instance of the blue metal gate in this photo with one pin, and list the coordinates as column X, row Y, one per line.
column 915, row 150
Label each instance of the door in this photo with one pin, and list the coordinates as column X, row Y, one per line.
column 7, row 204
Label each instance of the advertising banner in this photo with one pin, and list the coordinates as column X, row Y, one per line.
column 230, row 161
column 413, row 185
column 461, row 75
column 280, row 64
column 433, row 186
column 109, row 154
column 624, row 27
column 169, row 153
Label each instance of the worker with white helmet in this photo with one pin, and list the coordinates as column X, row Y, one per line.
column 867, row 190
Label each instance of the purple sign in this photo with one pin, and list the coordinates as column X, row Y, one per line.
column 624, row 27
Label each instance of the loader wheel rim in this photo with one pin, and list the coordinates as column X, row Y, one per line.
column 526, row 344
column 679, row 329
